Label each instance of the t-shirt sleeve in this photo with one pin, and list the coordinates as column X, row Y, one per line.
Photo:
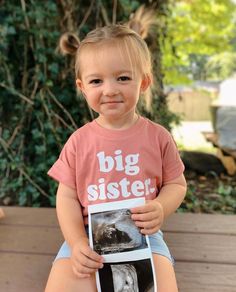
column 172, row 165
column 63, row 170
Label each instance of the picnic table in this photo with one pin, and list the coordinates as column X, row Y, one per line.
column 226, row 155
column 203, row 245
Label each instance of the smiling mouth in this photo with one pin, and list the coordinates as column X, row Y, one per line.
column 112, row 102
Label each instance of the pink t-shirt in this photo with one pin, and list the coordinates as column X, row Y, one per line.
column 105, row 165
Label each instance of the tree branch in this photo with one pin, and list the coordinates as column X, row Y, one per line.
column 104, row 14
column 114, row 11
column 88, row 12
column 13, row 91
column 63, row 108
column 21, row 170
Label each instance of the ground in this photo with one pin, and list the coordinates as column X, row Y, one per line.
column 210, row 194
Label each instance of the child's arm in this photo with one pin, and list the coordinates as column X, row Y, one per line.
column 149, row 217
column 84, row 260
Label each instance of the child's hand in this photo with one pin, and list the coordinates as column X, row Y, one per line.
column 148, row 217
column 85, row 261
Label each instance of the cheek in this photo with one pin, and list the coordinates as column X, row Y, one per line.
column 88, row 93
column 92, row 97
column 131, row 91
column 136, row 88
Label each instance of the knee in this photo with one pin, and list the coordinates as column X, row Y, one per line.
column 62, row 278
column 165, row 274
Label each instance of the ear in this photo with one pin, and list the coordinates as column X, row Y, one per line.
column 146, row 82
column 80, row 85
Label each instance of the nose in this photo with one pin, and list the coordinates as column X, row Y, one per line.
column 110, row 88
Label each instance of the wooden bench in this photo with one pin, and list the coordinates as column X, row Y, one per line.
column 204, row 247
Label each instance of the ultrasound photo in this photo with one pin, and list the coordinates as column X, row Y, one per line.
column 133, row 276
column 114, row 231
column 128, row 264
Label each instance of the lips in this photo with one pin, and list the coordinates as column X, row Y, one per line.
column 112, row 102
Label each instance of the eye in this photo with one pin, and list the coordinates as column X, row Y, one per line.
column 95, row 81
column 124, row 78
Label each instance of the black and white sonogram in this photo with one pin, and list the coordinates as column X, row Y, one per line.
column 135, row 276
column 124, row 278
column 114, row 231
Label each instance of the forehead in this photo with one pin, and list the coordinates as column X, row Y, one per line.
column 108, row 55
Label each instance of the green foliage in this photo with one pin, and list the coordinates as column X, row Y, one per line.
column 221, row 198
column 39, row 107
column 197, row 30
column 221, row 66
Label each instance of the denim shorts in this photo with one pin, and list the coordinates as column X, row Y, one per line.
column 156, row 240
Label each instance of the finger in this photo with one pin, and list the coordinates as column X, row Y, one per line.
column 145, row 216
column 149, row 231
column 86, row 267
column 147, row 207
column 148, row 224
column 141, row 209
column 92, row 255
column 87, row 262
column 80, row 275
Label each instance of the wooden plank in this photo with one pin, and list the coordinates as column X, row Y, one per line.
column 30, row 216
column 197, row 277
column 213, row 138
column 202, row 247
column 179, row 222
column 201, row 223
column 39, row 240
column 228, row 161
column 185, row 247
column 24, row 273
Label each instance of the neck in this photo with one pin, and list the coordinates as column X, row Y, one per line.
column 118, row 124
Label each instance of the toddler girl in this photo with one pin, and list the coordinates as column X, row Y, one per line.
column 118, row 156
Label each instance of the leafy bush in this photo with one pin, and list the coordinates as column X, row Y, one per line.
column 210, row 195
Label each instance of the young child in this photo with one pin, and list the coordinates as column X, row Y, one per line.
column 118, row 156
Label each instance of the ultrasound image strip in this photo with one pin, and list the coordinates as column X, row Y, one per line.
column 127, row 277
column 128, row 263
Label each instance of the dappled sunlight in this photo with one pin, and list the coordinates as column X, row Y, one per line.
column 188, row 135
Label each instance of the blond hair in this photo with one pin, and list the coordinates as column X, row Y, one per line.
column 122, row 36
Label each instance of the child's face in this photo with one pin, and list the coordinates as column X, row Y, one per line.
column 110, row 84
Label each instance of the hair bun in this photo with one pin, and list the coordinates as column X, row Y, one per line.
column 142, row 20
column 69, row 43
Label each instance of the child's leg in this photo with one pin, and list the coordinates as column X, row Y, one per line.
column 63, row 279
column 165, row 274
